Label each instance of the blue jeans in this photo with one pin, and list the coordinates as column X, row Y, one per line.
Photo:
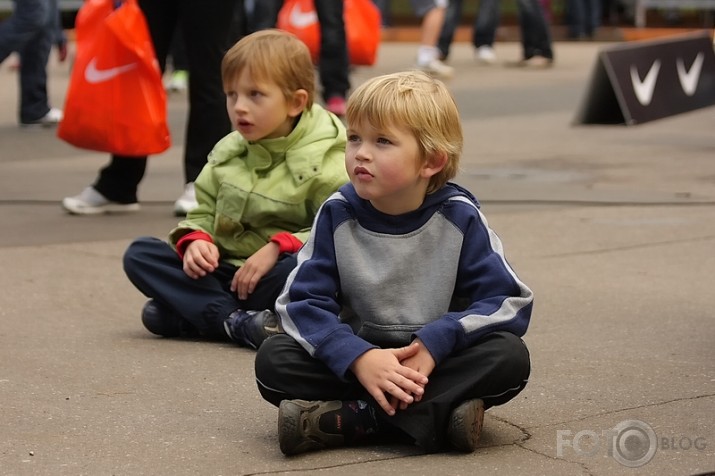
column 584, row 16
column 535, row 34
column 30, row 32
column 157, row 271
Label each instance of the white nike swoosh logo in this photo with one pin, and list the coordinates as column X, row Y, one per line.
column 300, row 19
column 689, row 79
column 644, row 89
column 94, row 75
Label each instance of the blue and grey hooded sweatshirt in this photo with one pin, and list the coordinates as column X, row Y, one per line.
column 366, row 279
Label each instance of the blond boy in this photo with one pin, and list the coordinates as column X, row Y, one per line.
column 402, row 316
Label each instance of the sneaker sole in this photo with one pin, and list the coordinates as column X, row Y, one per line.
column 105, row 209
column 465, row 425
column 45, row 125
column 525, row 64
column 437, row 74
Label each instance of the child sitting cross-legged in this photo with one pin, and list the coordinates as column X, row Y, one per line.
column 222, row 268
column 402, row 316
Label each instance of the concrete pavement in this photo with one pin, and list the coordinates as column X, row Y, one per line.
column 612, row 226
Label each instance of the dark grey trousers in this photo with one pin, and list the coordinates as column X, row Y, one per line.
column 495, row 369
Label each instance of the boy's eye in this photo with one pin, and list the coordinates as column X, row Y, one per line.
column 383, row 140
column 353, row 138
column 231, row 94
column 256, row 93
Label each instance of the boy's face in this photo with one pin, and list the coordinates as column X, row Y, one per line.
column 386, row 167
column 258, row 110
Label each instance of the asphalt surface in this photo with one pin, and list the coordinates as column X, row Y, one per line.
column 612, row 226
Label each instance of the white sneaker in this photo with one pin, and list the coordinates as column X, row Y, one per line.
column 53, row 117
column 179, row 81
column 436, row 68
column 485, row 55
column 91, row 202
column 186, row 202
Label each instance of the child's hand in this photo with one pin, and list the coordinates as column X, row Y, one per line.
column 246, row 278
column 200, row 258
column 422, row 362
column 380, row 372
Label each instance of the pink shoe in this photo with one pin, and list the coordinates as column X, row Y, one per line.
column 336, row 105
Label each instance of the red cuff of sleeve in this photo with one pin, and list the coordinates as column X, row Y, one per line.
column 185, row 240
column 286, row 242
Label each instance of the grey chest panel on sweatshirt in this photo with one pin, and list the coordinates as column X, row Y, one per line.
column 394, row 284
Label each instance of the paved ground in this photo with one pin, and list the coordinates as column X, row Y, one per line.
column 612, row 226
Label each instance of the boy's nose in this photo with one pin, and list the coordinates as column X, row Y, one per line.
column 240, row 105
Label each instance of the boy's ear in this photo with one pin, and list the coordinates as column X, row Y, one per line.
column 297, row 103
column 434, row 164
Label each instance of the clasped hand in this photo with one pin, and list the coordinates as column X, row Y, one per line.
column 395, row 378
column 201, row 257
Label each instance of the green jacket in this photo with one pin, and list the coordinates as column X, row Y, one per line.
column 249, row 191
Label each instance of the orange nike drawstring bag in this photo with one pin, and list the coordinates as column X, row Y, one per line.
column 362, row 28
column 115, row 101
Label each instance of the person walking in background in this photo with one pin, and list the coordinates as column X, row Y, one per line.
column 208, row 30
column 535, row 32
column 583, row 18
column 31, row 31
column 402, row 316
column 432, row 13
column 225, row 264
column 179, row 78
column 333, row 62
column 385, row 11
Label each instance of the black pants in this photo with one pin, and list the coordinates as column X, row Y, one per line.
column 157, row 271
column 495, row 369
column 208, row 31
column 333, row 63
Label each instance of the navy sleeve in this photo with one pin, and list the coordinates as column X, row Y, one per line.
column 309, row 305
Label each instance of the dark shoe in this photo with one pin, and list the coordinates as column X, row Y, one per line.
column 465, row 425
column 299, row 426
column 251, row 328
column 160, row 320
column 535, row 62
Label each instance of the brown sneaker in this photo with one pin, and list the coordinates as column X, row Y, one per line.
column 535, row 62
column 299, row 426
column 465, row 425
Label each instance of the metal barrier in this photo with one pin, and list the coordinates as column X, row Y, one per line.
column 643, row 5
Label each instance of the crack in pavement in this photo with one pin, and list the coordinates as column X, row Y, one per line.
column 621, row 410
column 526, row 436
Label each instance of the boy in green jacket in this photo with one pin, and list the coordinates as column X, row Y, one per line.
column 225, row 264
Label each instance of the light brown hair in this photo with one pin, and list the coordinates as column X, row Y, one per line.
column 273, row 56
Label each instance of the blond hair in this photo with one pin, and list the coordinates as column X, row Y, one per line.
column 272, row 56
column 418, row 102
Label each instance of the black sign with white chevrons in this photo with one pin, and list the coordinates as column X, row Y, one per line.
column 642, row 81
